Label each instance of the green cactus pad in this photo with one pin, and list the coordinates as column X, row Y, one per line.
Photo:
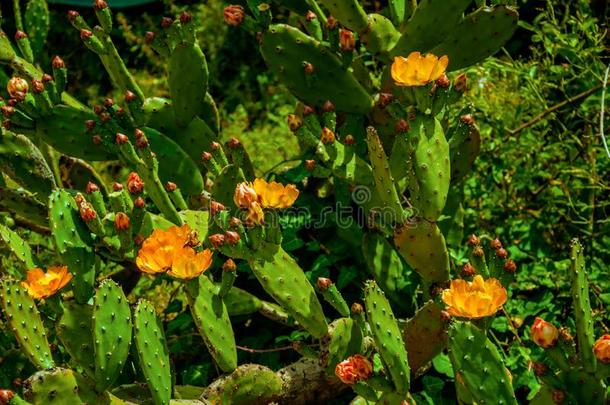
column 240, row 302
column 36, row 23
column 76, row 174
column 152, row 352
column 431, row 169
column 425, row 336
column 188, row 81
column 582, row 306
column 21, row 160
column 20, row 250
column 61, row 386
column 23, row 317
column 384, row 181
column 387, row 335
column 345, row 340
column 584, row 387
column 478, row 36
column 464, row 146
column 73, row 242
column 285, row 281
column 394, row 277
column 111, row 333
column 64, row 129
column 25, row 205
column 380, row 35
column 197, row 221
column 174, row 163
column 349, row 13
column 225, row 184
column 478, row 365
column 431, row 23
column 212, row 319
column 251, row 384
column 74, row 329
column 286, row 49
column 423, row 247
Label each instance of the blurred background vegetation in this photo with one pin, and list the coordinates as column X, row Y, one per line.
column 542, row 178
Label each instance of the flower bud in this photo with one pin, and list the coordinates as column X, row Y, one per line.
column 544, row 334
column 234, row 222
column 90, row 124
column 601, row 349
column 85, row 34
column 473, row 240
column 558, row 396
column 130, row 96
column 108, row 102
column 443, row 82
column 234, row 15
column 96, row 139
column 87, row 213
column 91, row 187
column 495, row 244
column 135, row 185
column 47, row 78
column 232, row 238
column 206, row 156
column 214, row 146
column 217, row 240
column 468, row 119
column 37, row 86
column 139, row 203
column 6, row 396
column 385, row 99
column 540, row 369
column 401, row 126
column 445, row 316
column 347, row 40
column 323, row 283
column 121, row 221
column 328, row 106
column 99, row 5
column 357, row 308
column 244, row 195
column 331, row 22
column 185, row 17
column 294, row 122
column 510, row 266
column 72, row 15
column 58, row 63
column 17, row 85
column 502, row 253
column 7, row 111
column 121, row 139
column 229, row 266
column 310, row 165
column 20, row 35
column 349, row 140
column 469, row 270
column 139, row 239
column 308, row 68
column 117, row 186
column 308, row 110
column 310, row 16
column 234, row 143
column 216, row 207
column 327, row 136
column 478, row 251
column 460, row 83
column 354, row 369
column 149, row 37
column 170, row 187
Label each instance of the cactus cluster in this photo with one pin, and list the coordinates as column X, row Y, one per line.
column 189, row 200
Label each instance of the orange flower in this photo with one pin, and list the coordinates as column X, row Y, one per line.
column 256, row 216
column 170, row 251
column 188, row 264
column 244, row 195
column 354, row 369
column 275, row 195
column 418, row 69
column 42, row 285
column 601, row 348
column 156, row 254
column 544, row 334
column 476, row 299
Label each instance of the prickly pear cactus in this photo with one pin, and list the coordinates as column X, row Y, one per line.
column 24, row 319
column 59, row 386
column 74, row 330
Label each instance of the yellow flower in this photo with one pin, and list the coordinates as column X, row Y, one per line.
column 418, row 69
column 476, row 299
column 188, row 264
column 156, row 254
column 42, row 285
column 275, row 195
column 244, row 195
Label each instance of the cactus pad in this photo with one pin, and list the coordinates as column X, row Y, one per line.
column 285, row 281
column 111, row 333
column 23, row 317
column 345, row 340
column 60, row 386
column 251, row 384
column 212, row 319
column 19, row 248
column 286, row 50
column 425, row 336
column 388, row 338
column 152, row 352
column 74, row 329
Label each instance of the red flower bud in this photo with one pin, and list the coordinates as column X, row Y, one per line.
column 100, row 5
column 502, row 253
column 473, row 240
column 121, row 221
column 217, row 240
column 234, row 15
column 135, row 185
column 354, row 369
column 468, row 120
column 544, row 334
column 185, row 17
column 323, row 283
column 6, row 396
column 349, row 140
column 91, row 187
column 331, row 22
column 469, row 270
column 229, row 266
column 601, row 349
column 310, row 165
column 328, row 106
column 130, row 96
column 308, row 68
column 443, row 82
column 72, row 15
column 347, row 40
column 121, row 139
column 232, row 238
column 510, row 266
column 327, row 136
column 20, row 35
column 216, row 207
column 170, row 187
column 401, row 126
column 117, row 186
column 139, row 203
column 58, row 63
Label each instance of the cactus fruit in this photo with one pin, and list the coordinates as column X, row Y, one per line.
column 285, row 281
column 212, row 319
column 422, row 245
column 111, row 333
column 152, row 352
column 74, row 330
column 387, row 335
column 23, row 317
column 59, row 386
column 286, row 49
column 478, row 365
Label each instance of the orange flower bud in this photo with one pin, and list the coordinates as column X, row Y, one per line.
column 323, row 283
column 234, row 15
column 495, row 244
column 347, row 40
column 91, row 187
column 135, row 184
column 327, row 136
column 601, row 349
column 217, row 240
column 469, row 270
column 6, row 396
column 87, row 213
column 121, row 222
column 216, row 207
column 232, row 237
column 17, row 85
column 229, row 266
column 354, row 369
column 544, row 334
column 357, row 308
